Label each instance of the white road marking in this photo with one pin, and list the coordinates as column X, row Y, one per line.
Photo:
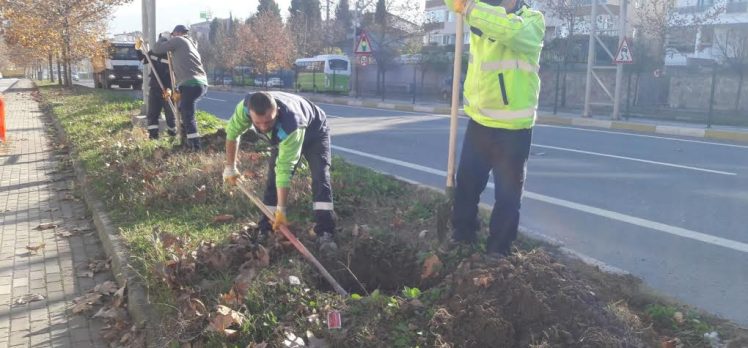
column 209, row 98
column 635, row 160
column 653, row 225
column 643, row 136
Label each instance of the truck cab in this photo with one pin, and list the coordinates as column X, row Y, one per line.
column 117, row 64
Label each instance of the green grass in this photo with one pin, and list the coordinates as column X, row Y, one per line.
column 151, row 186
column 690, row 328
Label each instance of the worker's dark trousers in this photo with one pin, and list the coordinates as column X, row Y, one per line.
column 156, row 103
column 190, row 95
column 504, row 152
column 317, row 154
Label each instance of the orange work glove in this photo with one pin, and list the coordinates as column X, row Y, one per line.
column 280, row 218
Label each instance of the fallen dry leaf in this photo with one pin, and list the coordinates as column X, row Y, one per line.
column 97, row 266
column 230, row 299
column 119, row 296
column 28, row 298
column 201, row 195
column 167, row 239
column 64, row 234
column 247, row 272
column 431, row 267
column 223, row 318
column 113, row 313
column 670, row 343
column 192, row 307
column 45, row 226
column 85, row 274
column 484, row 280
column 263, row 256
column 85, row 303
column 106, row 288
column 678, row 317
column 35, row 248
column 219, row 219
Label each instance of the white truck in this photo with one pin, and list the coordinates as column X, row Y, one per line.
column 117, row 64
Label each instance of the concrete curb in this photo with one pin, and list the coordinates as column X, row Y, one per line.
column 138, row 305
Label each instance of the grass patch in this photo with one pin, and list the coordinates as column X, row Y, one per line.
column 164, row 201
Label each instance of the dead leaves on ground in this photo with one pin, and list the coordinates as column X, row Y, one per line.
column 93, row 267
column 35, row 248
column 180, row 271
column 119, row 330
column 431, row 267
column 224, row 218
column 226, row 321
column 27, row 299
column 46, row 226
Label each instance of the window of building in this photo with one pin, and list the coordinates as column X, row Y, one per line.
column 435, row 16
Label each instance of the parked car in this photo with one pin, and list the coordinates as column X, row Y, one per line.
column 75, row 76
column 227, row 80
column 271, row 82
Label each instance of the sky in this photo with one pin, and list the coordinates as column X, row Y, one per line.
column 169, row 13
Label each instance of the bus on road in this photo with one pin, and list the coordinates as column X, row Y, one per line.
column 323, row 73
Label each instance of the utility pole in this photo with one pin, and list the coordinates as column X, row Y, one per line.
column 354, row 67
column 149, row 35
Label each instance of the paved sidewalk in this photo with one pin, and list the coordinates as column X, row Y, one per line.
column 37, row 187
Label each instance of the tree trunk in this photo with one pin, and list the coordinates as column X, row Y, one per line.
column 51, row 76
column 740, row 90
column 59, row 70
column 66, row 60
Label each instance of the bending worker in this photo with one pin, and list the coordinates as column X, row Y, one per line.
column 191, row 81
column 501, row 98
column 156, row 96
column 294, row 126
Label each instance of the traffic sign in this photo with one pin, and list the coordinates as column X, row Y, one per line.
column 363, row 60
column 624, row 55
column 363, row 46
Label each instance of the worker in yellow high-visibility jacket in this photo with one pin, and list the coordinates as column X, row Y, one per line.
column 501, row 98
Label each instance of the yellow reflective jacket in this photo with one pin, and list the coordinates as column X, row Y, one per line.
column 502, row 84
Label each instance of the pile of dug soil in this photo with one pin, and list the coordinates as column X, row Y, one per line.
column 527, row 299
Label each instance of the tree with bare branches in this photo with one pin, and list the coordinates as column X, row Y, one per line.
column 733, row 46
column 660, row 20
column 71, row 28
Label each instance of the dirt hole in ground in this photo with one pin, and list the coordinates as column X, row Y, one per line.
column 371, row 263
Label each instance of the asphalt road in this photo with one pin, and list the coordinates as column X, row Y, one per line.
column 672, row 211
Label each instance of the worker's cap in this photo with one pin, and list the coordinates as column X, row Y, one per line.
column 180, row 29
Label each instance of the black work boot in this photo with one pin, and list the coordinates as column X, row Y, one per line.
column 326, row 244
column 153, row 134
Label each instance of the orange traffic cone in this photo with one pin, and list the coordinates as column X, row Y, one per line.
column 2, row 119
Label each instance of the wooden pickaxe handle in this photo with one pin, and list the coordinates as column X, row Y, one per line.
column 291, row 238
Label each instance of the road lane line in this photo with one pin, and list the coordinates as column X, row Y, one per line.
column 643, row 136
column 636, row 160
column 209, row 98
column 653, row 225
